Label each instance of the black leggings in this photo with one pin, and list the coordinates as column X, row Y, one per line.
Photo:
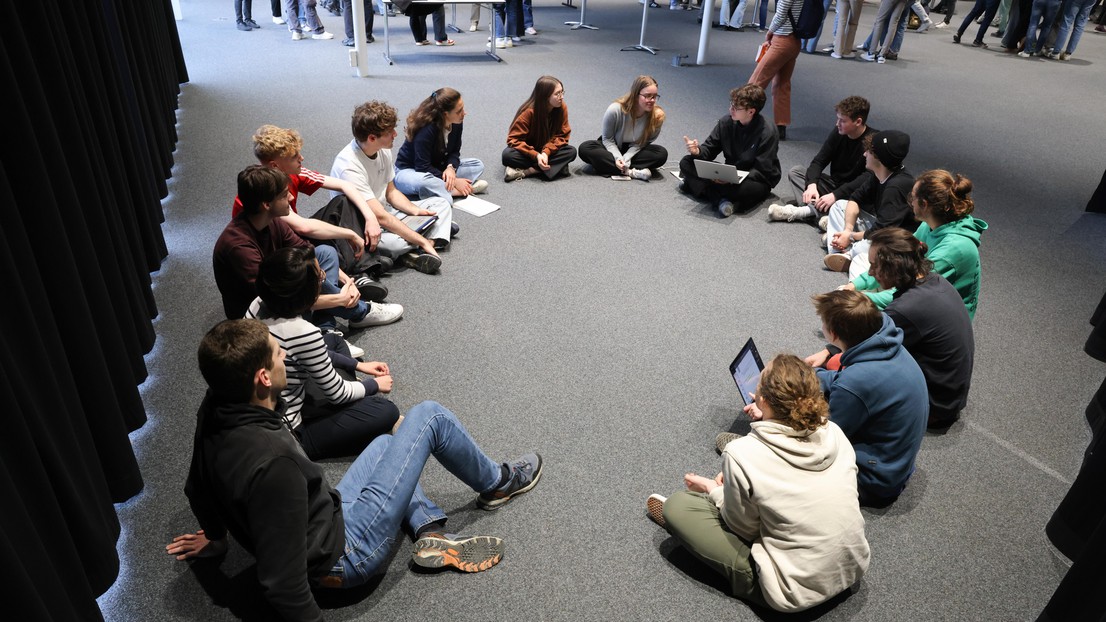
column 594, row 153
column 746, row 195
column 558, row 161
column 339, row 431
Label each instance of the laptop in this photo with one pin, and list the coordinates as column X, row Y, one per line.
column 722, row 172
column 418, row 224
column 746, row 369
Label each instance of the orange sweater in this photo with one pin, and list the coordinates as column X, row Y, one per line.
column 519, row 135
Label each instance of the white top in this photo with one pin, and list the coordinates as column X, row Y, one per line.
column 370, row 175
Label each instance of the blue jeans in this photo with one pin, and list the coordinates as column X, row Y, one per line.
column 987, row 8
column 527, row 13
column 381, row 492
column 810, row 46
column 328, row 261
column 1044, row 11
column 425, row 185
column 1074, row 19
column 508, row 19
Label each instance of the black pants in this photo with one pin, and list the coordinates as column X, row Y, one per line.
column 1017, row 24
column 338, row 431
column 418, row 25
column 594, row 153
column 558, row 160
column 347, row 18
column 746, row 195
column 986, row 8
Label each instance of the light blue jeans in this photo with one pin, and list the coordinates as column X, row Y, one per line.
column 508, row 19
column 1074, row 19
column 328, row 261
column 425, row 185
column 381, row 492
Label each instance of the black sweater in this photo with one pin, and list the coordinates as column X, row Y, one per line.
column 749, row 147
column 249, row 476
column 845, row 158
column 886, row 201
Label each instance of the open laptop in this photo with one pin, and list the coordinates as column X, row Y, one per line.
column 746, row 369
column 722, row 172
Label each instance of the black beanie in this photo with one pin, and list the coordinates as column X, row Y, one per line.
column 891, row 147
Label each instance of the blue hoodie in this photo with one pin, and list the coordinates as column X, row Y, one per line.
column 879, row 400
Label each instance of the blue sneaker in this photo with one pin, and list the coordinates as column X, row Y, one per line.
column 465, row 553
column 725, row 208
column 525, row 473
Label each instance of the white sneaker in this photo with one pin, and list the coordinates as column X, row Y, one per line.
column 790, row 213
column 473, row 27
column 355, row 351
column 297, row 36
column 940, row 25
column 926, row 25
column 479, row 186
column 531, row 31
column 502, row 43
column 380, row 313
column 823, row 223
column 513, row 174
column 643, row 174
column 868, row 56
column 835, row 55
column 323, row 36
column 279, row 21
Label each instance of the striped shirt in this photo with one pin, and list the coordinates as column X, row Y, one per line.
column 780, row 24
column 307, row 362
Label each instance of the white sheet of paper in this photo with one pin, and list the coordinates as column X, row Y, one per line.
column 475, row 206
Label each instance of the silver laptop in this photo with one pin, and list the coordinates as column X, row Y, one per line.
column 722, row 172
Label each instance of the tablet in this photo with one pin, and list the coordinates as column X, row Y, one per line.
column 746, row 369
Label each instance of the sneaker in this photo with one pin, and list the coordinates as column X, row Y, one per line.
column 525, row 473
column 723, row 439
column 355, row 351
column 823, row 223
column 513, row 174
column 891, row 56
column 867, row 57
column 473, row 27
column 982, row 45
column 836, row 55
column 479, row 186
column 824, row 240
column 642, row 174
column 440, row 244
column 827, row 49
column 253, row 24
column 323, row 36
column 1064, row 56
column 502, row 43
column 881, row 59
column 926, row 25
column 465, row 553
column 380, row 313
column 348, row 43
column 654, row 507
column 790, row 213
column 838, row 262
column 515, row 40
column 297, row 35
column 243, row 26
column 531, row 31
column 279, row 21
column 454, row 229
column 941, row 25
column 956, row 38
column 371, row 290
column 725, row 208
column 446, row 42
column 1024, row 54
column 423, row 262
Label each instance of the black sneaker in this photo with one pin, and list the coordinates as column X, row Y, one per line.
column 454, row 229
column 252, row 24
column 243, row 26
column 465, row 553
column 423, row 262
column 525, row 473
column 370, row 289
column 369, row 38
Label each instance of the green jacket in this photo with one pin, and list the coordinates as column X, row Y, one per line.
column 954, row 251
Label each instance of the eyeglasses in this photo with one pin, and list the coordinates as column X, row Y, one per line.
column 654, row 97
column 560, row 94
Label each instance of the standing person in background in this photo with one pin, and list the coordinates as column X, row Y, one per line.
column 347, row 18
column 1073, row 20
column 848, row 20
column 987, row 8
column 778, row 62
column 630, row 126
column 314, row 26
column 537, row 143
column 243, row 15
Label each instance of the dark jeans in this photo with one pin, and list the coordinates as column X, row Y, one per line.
column 243, row 9
column 988, row 8
column 746, row 195
column 558, row 160
column 347, row 17
column 418, row 25
column 345, row 430
column 594, row 153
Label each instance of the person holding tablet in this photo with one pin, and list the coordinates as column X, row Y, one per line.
column 537, row 142
column 429, row 163
column 630, row 126
column 746, row 140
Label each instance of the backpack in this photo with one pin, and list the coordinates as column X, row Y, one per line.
column 810, row 19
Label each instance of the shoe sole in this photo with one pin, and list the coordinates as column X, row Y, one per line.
column 374, row 292
column 837, row 263
column 426, row 263
column 720, row 446
column 654, row 507
column 473, row 554
column 493, row 504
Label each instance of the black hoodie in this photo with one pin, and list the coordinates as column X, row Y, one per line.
column 249, row 476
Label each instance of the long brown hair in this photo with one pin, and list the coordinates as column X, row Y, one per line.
column 545, row 117
column 947, row 196
column 432, row 110
column 627, row 102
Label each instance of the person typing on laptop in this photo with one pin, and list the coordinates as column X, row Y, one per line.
column 747, row 141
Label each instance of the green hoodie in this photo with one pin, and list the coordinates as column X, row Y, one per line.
column 954, row 251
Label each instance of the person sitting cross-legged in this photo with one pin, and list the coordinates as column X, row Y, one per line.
column 250, row 477
column 630, row 126
column 747, row 141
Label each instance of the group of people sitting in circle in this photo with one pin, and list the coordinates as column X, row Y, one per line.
column 782, row 521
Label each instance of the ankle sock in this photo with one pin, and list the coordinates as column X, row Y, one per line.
column 504, row 476
column 437, row 527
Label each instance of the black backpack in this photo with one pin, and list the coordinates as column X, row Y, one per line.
column 810, row 20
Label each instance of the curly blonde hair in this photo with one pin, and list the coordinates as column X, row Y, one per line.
column 791, row 388
column 271, row 142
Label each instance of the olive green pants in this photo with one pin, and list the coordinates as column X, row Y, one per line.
column 696, row 522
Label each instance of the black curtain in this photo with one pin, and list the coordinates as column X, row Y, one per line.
column 88, row 140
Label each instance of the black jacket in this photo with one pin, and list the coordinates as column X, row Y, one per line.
column 249, row 476
column 749, row 147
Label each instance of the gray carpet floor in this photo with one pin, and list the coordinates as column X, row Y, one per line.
column 593, row 320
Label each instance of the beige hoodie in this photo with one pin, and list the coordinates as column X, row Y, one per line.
column 793, row 495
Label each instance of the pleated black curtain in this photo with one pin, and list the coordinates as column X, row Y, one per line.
column 89, row 115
